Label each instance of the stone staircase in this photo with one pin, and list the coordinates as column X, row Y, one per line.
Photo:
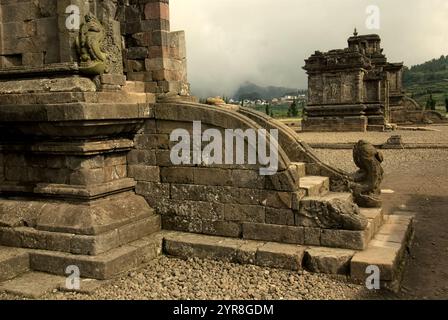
column 384, row 243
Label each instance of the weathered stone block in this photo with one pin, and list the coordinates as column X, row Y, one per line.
column 152, row 141
column 222, row 228
column 144, row 173
column 196, row 193
column 13, row 262
column 356, row 240
column 312, row 236
column 214, row 177
column 273, row 233
column 177, row 175
column 157, row 10
column 244, row 213
column 179, row 223
column 280, row 216
column 279, row 200
column 247, row 179
column 80, row 177
column 329, row 261
column 276, row 255
column 385, row 258
column 153, row 191
column 113, row 79
column 104, row 266
column 142, row 157
column 186, row 246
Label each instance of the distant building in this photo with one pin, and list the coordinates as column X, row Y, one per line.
column 352, row 89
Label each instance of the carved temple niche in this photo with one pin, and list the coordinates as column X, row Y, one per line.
column 108, row 11
column 332, row 89
column 315, row 89
column 372, row 91
column 349, row 88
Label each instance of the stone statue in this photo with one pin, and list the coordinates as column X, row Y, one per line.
column 91, row 38
column 368, row 179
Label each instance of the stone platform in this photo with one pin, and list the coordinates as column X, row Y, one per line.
column 388, row 250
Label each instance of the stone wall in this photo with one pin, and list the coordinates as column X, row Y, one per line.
column 34, row 35
column 214, row 200
column 29, row 32
column 230, row 200
column 153, row 54
column 23, row 170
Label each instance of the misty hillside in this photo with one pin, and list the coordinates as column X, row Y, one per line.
column 252, row 91
column 428, row 78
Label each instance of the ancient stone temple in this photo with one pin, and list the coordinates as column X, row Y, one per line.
column 353, row 89
column 87, row 176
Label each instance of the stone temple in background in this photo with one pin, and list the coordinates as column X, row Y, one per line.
column 357, row 89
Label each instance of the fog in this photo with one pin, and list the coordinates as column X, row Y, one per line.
column 267, row 41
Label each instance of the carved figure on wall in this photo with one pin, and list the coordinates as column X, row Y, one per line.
column 90, row 42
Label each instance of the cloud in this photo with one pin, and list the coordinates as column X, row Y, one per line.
column 266, row 42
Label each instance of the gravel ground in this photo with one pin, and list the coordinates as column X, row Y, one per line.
column 394, row 160
column 433, row 137
column 170, row 278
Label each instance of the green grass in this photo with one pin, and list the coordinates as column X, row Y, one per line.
column 421, row 92
column 280, row 111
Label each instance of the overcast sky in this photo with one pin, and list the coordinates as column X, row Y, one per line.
column 266, row 41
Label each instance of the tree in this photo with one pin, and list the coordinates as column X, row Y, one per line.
column 431, row 103
column 446, row 103
column 268, row 109
column 293, row 111
column 272, row 114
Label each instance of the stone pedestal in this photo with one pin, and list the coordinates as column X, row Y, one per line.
column 64, row 185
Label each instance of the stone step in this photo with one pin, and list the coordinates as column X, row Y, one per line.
column 267, row 254
column 25, row 237
column 13, row 262
column 315, row 185
column 388, row 251
column 375, row 216
column 102, row 267
column 300, row 168
column 330, row 196
column 32, row 285
column 307, row 231
column 35, row 285
column 260, row 253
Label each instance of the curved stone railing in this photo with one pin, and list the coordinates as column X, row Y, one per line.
column 408, row 101
column 235, row 200
column 299, row 151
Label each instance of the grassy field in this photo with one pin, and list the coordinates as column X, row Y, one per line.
column 279, row 111
column 421, row 92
